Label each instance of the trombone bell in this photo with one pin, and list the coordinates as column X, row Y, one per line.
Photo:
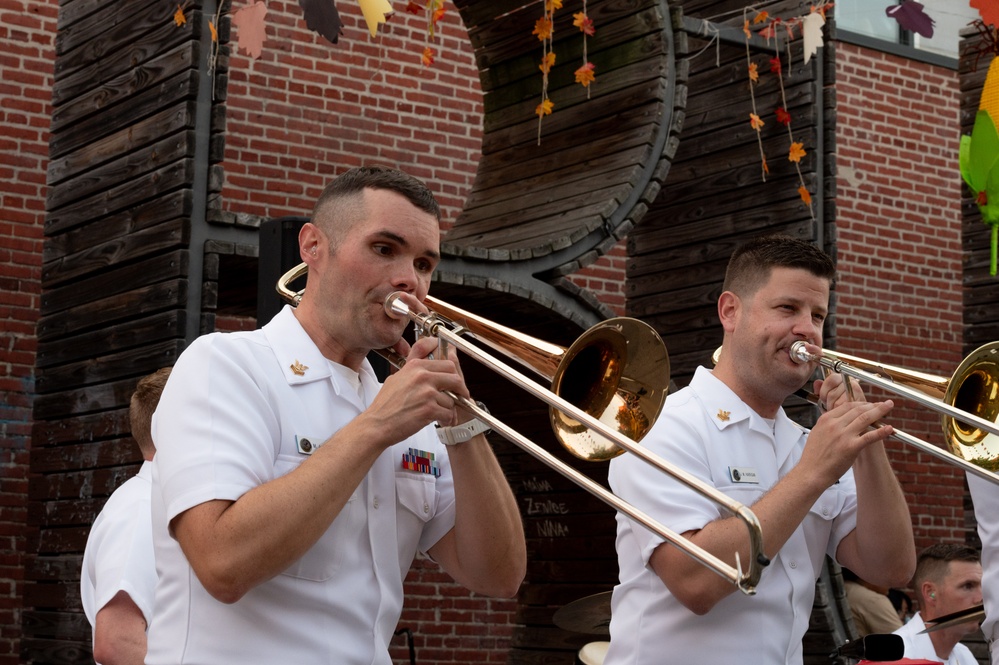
column 974, row 388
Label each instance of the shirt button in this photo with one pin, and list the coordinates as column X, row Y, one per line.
column 825, row 512
column 426, row 508
column 793, row 564
column 376, row 503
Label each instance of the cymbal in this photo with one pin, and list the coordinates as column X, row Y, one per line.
column 589, row 615
column 974, row 613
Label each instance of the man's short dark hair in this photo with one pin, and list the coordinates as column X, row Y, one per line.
column 340, row 203
column 932, row 562
column 750, row 265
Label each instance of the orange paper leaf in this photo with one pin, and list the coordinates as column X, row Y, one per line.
column 249, row 24
column 178, row 16
column 544, row 108
column 585, row 75
column 760, row 17
column 754, row 74
column 797, row 152
column 584, row 23
column 552, row 5
column 745, row 28
column 543, row 28
column 547, row 62
column 805, row 195
column 755, row 121
column 427, row 58
column 215, row 33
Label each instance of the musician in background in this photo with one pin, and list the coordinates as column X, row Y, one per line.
column 985, row 496
column 292, row 490
column 948, row 579
column 870, row 606
column 828, row 491
column 118, row 578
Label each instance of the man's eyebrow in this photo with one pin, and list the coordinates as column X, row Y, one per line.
column 402, row 242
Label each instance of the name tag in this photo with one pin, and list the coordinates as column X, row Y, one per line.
column 743, row 474
column 307, row 444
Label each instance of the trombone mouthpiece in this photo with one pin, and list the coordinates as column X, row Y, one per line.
column 395, row 306
column 800, row 354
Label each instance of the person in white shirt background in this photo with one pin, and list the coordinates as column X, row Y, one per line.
column 948, row 579
column 118, row 580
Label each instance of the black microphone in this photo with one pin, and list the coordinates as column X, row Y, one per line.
column 875, row 647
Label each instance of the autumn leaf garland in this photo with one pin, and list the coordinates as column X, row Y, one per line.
column 544, row 29
column 808, row 25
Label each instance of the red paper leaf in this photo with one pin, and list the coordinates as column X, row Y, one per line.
column 988, row 10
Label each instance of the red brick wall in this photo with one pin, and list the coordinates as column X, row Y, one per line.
column 26, row 55
column 899, row 250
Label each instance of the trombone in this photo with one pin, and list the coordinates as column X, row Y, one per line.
column 973, row 440
column 601, row 365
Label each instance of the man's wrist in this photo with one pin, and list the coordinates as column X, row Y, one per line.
column 455, row 434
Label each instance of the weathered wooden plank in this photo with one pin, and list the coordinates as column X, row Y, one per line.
column 63, row 625
column 82, row 402
column 66, row 512
column 102, row 425
column 131, row 111
column 124, row 87
column 124, row 170
column 98, row 369
column 122, row 142
column 640, row 105
column 79, row 484
column 681, row 245
column 636, row 143
column 629, row 39
column 147, row 331
column 55, row 568
column 163, row 237
column 142, row 301
column 55, row 652
column 116, row 280
column 116, row 452
column 113, row 24
column 565, row 94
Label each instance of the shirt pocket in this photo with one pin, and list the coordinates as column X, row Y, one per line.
column 417, row 495
column 325, row 557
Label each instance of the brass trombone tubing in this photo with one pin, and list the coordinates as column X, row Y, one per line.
column 922, row 445
column 828, row 359
column 744, row 581
column 834, row 362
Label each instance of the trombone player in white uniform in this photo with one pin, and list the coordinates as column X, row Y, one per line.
column 830, row 491
column 291, row 490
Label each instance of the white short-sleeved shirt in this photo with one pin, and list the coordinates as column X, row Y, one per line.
column 708, row 431
column 919, row 646
column 985, row 497
column 242, row 409
column 119, row 552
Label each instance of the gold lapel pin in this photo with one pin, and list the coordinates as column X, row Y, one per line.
column 723, row 415
column 298, row 368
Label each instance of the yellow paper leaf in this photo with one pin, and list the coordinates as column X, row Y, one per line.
column 374, row 12
column 755, row 121
column 796, row 152
column 251, row 29
column 584, row 75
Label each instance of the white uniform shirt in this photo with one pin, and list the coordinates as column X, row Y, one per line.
column 919, row 646
column 985, row 497
column 708, row 431
column 236, row 415
column 119, row 553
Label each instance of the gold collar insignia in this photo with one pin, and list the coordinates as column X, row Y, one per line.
column 724, row 415
column 298, row 368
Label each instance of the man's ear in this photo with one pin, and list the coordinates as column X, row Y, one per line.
column 729, row 306
column 310, row 242
column 929, row 590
